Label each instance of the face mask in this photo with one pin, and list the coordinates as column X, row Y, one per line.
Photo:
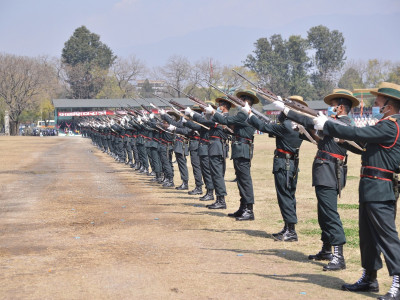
column 377, row 112
column 332, row 111
column 219, row 109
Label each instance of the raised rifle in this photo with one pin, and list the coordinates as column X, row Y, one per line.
column 237, row 101
column 202, row 104
column 296, row 106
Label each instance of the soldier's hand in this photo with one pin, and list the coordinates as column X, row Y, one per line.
column 319, row 121
column 188, row 111
column 162, row 112
column 171, row 127
column 246, row 108
column 209, row 110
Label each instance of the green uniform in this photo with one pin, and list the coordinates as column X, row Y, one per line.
column 376, row 196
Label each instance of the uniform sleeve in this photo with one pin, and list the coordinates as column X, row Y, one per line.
column 275, row 129
column 381, row 133
column 300, row 119
column 239, row 118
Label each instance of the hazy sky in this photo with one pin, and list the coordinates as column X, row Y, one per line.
column 223, row 29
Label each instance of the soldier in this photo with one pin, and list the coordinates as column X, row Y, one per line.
column 285, row 167
column 242, row 153
column 378, row 190
column 329, row 177
column 217, row 151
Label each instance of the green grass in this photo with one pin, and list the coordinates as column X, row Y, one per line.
column 348, row 206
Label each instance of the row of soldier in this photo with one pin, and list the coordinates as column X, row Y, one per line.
column 143, row 140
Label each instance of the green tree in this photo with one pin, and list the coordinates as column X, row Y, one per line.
column 282, row 65
column 351, row 80
column 394, row 75
column 328, row 58
column 87, row 61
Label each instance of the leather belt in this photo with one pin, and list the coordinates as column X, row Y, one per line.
column 324, row 155
column 376, row 173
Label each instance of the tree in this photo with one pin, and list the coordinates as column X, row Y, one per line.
column 328, row 58
column 87, row 61
column 281, row 65
column 147, row 90
column 351, row 80
column 125, row 72
column 394, row 75
column 22, row 80
column 376, row 72
column 176, row 73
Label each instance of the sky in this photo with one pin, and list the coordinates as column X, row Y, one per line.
column 225, row 30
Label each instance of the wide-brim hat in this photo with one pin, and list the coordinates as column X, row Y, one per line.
column 388, row 89
column 298, row 99
column 174, row 113
column 211, row 103
column 342, row 93
column 224, row 99
column 196, row 108
column 250, row 94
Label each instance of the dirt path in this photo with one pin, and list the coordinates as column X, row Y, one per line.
column 76, row 225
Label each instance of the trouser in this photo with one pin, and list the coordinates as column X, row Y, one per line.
column 143, row 155
column 182, row 165
column 217, row 169
column 244, row 182
column 166, row 161
column 119, row 147
column 286, row 196
column 128, row 148
column 195, row 161
column 150, row 158
column 135, row 150
column 110, row 145
column 156, row 160
column 328, row 216
column 378, row 235
column 206, row 172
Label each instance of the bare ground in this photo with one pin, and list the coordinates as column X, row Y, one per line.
column 74, row 224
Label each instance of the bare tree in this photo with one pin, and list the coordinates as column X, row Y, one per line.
column 176, row 73
column 125, row 72
column 21, row 79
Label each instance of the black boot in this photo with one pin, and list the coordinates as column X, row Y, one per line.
column 138, row 166
column 290, row 234
column 152, row 173
column 239, row 212
column 279, row 234
column 337, row 262
column 324, row 254
column 247, row 214
column 219, row 204
column 196, row 191
column 144, row 170
column 129, row 162
column 165, row 180
column 183, row 186
column 208, row 196
column 161, row 178
column 158, row 175
column 169, row 183
column 394, row 291
column 367, row 283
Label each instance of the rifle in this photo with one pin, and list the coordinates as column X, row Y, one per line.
column 240, row 102
column 201, row 103
column 296, row 106
column 170, row 104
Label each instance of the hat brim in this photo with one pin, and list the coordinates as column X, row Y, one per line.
column 218, row 100
column 299, row 101
column 384, row 94
column 354, row 100
column 254, row 97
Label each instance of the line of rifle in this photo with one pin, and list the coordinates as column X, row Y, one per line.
column 178, row 111
column 202, row 104
column 296, row 106
column 239, row 102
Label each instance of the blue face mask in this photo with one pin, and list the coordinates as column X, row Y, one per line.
column 219, row 109
column 376, row 112
column 331, row 111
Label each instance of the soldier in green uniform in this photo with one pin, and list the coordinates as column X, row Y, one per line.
column 217, row 150
column 329, row 178
column 242, row 152
column 285, row 167
column 377, row 189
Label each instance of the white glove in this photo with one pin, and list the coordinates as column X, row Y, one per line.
column 278, row 105
column 295, row 126
column 209, row 110
column 171, row 128
column 184, row 120
column 145, row 118
column 139, row 119
column 162, row 112
column 246, row 108
column 188, row 111
column 320, row 121
column 151, row 116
